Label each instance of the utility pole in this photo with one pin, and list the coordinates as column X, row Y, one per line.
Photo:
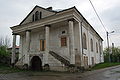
column 108, row 47
column 113, row 58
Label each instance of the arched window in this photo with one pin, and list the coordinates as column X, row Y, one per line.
column 91, row 41
column 36, row 15
column 40, row 15
column 84, row 41
column 33, row 18
column 96, row 47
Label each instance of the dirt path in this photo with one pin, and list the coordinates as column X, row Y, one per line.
column 112, row 73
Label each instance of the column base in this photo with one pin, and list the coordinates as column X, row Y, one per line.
column 46, row 67
column 12, row 65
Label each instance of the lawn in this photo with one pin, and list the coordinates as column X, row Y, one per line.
column 4, row 69
column 104, row 65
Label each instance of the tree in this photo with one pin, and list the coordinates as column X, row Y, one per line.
column 114, row 54
column 5, row 41
column 4, row 53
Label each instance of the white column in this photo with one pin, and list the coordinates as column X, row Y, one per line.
column 47, row 43
column 71, row 42
column 13, row 50
column 81, row 47
column 28, row 40
column 27, row 47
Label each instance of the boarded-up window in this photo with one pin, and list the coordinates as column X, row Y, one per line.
column 42, row 45
column 63, row 41
column 85, row 60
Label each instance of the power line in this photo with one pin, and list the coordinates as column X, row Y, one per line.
column 98, row 16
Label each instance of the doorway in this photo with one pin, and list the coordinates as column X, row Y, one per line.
column 36, row 63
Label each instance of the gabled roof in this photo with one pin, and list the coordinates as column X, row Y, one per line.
column 60, row 12
column 33, row 10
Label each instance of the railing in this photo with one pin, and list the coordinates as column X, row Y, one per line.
column 20, row 59
column 60, row 58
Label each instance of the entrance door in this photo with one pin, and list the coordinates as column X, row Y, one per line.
column 36, row 63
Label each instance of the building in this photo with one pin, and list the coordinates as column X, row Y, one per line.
column 57, row 39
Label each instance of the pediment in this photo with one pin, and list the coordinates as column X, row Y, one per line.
column 37, row 13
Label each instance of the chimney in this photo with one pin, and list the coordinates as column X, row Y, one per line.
column 49, row 8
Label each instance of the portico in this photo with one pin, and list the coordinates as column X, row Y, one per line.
column 55, row 40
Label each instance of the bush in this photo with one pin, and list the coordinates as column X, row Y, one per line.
column 4, row 55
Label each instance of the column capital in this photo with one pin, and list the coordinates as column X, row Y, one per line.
column 14, row 34
column 47, row 25
column 28, row 31
column 72, row 19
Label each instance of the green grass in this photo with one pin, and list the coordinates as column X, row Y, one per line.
column 104, row 65
column 4, row 69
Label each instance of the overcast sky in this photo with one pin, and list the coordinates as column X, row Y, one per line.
column 12, row 12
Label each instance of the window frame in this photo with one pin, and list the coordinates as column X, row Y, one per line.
column 96, row 47
column 63, row 41
column 91, row 42
column 36, row 15
column 42, row 45
column 84, row 41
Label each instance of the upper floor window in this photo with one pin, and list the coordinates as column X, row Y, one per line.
column 96, row 47
column 33, row 18
column 91, row 41
column 42, row 45
column 40, row 15
column 63, row 41
column 84, row 41
column 36, row 15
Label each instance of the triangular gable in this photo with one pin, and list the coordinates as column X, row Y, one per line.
column 44, row 13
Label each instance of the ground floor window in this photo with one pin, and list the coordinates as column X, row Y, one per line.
column 86, row 60
column 42, row 45
column 92, row 58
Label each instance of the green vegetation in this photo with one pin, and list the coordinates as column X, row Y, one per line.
column 4, row 69
column 104, row 65
column 114, row 54
column 4, row 55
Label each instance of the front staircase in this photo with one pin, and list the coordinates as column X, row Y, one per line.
column 60, row 58
column 19, row 63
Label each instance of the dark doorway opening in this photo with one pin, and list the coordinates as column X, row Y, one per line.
column 36, row 63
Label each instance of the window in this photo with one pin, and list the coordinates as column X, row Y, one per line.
column 84, row 41
column 91, row 41
column 33, row 18
column 85, row 60
column 96, row 47
column 63, row 32
column 63, row 41
column 92, row 58
column 40, row 15
column 36, row 15
column 42, row 45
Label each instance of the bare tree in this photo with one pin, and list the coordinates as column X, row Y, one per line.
column 5, row 41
